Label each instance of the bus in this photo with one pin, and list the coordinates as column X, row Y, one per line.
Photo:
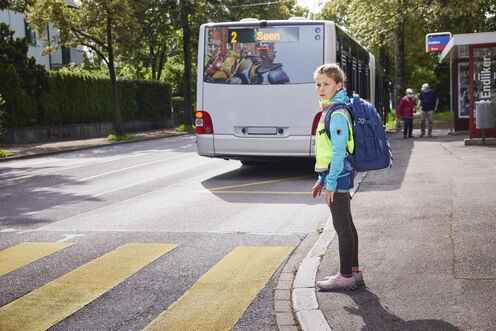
column 256, row 98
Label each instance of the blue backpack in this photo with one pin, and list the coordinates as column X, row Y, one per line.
column 372, row 150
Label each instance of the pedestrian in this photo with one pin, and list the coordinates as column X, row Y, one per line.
column 336, row 174
column 406, row 108
column 429, row 101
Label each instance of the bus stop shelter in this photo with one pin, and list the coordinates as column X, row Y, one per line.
column 473, row 73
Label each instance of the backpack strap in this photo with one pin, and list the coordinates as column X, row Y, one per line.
column 343, row 108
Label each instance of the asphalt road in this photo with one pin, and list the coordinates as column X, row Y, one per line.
column 222, row 230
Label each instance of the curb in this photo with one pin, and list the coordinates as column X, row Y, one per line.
column 75, row 149
column 304, row 299
column 282, row 294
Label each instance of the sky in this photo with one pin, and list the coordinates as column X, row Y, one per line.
column 313, row 5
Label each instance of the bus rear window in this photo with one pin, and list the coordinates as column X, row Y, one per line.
column 255, row 56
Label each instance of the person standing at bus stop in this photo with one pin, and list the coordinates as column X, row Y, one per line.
column 406, row 108
column 428, row 100
column 336, row 174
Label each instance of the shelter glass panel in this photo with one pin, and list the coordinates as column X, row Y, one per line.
column 484, row 74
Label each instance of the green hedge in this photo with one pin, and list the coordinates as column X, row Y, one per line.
column 72, row 98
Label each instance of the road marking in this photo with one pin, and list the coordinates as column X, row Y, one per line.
column 112, row 191
column 9, row 229
column 25, row 253
column 69, row 237
column 135, row 166
column 51, row 303
column 222, row 190
column 221, row 296
column 63, row 168
column 260, row 192
column 260, row 183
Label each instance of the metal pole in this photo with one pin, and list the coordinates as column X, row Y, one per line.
column 452, row 118
column 49, row 54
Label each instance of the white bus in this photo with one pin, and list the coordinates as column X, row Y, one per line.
column 256, row 96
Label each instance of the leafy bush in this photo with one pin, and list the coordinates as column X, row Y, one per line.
column 186, row 128
column 21, row 80
column 72, row 98
column 391, row 120
column 1, row 113
column 422, row 75
column 5, row 153
column 112, row 137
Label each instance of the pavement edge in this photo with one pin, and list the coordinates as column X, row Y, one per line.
column 303, row 301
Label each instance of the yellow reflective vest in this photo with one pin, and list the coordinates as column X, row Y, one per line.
column 323, row 147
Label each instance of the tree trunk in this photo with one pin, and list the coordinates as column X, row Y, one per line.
column 115, row 92
column 161, row 62
column 399, row 59
column 188, row 105
column 154, row 62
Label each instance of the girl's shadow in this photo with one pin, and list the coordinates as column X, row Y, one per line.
column 377, row 317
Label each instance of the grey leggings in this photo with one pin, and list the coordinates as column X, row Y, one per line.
column 346, row 231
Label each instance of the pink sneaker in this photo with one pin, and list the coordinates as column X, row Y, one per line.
column 358, row 277
column 337, row 283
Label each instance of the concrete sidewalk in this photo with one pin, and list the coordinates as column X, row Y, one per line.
column 54, row 147
column 427, row 231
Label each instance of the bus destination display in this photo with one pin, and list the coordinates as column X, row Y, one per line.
column 268, row 35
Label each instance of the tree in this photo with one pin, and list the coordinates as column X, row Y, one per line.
column 152, row 38
column 184, row 9
column 98, row 25
column 380, row 26
column 2, row 102
column 445, row 15
column 21, row 79
column 15, row 5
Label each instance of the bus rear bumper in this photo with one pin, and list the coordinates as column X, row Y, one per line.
column 230, row 146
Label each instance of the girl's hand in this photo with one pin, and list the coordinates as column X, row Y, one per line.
column 317, row 189
column 329, row 197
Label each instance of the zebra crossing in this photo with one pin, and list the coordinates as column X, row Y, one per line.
column 215, row 302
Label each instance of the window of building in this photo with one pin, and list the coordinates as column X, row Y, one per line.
column 30, row 35
column 66, row 55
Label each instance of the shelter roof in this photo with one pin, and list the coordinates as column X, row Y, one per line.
column 466, row 39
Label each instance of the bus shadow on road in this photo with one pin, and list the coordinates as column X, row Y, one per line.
column 292, row 182
column 274, row 182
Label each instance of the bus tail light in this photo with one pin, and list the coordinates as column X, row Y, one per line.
column 203, row 123
column 316, row 121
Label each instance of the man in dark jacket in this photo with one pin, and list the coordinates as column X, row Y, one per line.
column 428, row 100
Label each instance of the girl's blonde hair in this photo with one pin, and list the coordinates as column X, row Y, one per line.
column 333, row 71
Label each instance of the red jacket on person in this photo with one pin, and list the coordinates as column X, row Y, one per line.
column 405, row 108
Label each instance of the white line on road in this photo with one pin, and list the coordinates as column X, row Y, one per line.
column 8, row 230
column 46, row 172
column 69, row 237
column 135, row 166
column 117, row 189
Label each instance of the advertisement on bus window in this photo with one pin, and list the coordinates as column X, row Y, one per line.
column 256, row 56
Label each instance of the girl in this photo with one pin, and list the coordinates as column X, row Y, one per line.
column 336, row 174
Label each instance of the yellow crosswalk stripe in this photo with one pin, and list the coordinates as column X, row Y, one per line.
column 51, row 303
column 25, row 253
column 221, row 296
column 260, row 183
